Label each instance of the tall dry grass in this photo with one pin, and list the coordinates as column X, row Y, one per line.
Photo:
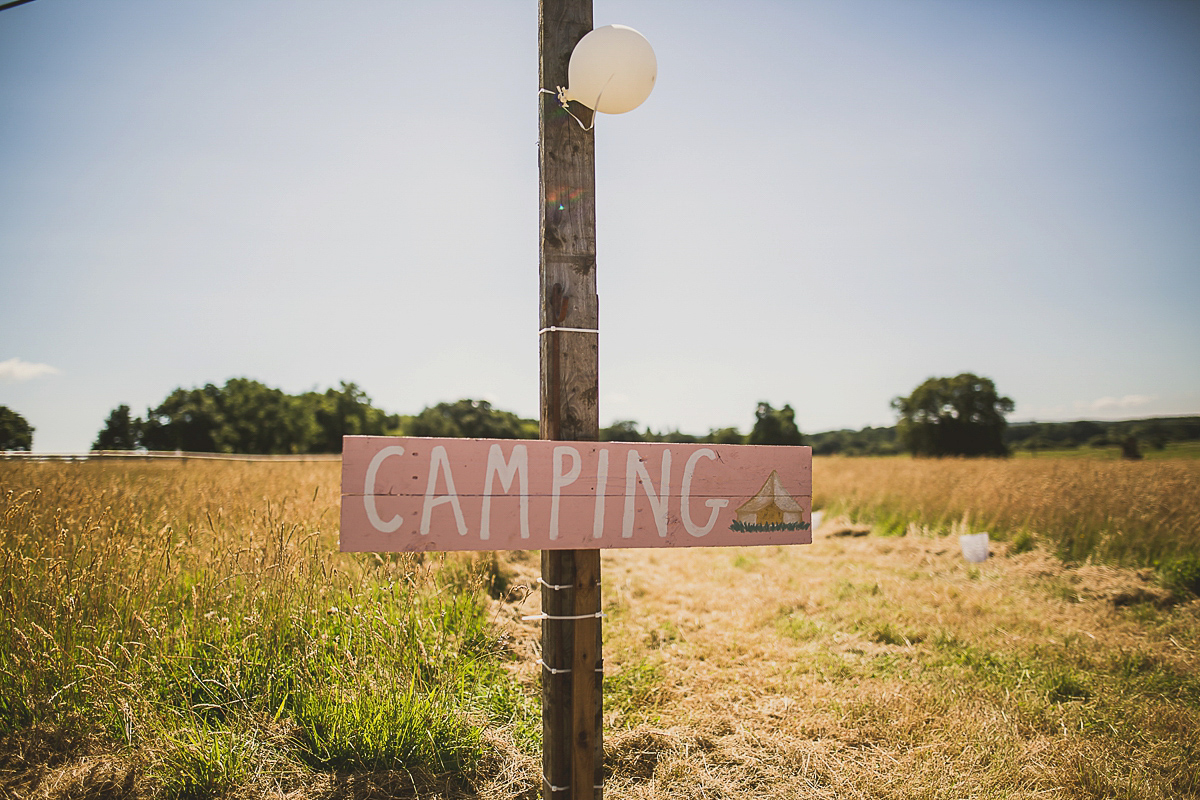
column 1126, row 512
column 197, row 618
column 190, row 631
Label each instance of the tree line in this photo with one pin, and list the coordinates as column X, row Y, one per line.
column 771, row 426
column 245, row 416
column 1150, row 434
column 959, row 415
column 1155, row 433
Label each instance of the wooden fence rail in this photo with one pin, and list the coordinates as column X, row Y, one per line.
column 146, row 455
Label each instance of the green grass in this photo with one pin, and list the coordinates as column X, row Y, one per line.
column 889, row 633
column 1182, row 573
column 745, row 561
column 176, row 615
column 634, row 694
column 794, row 624
column 1063, row 674
column 198, row 764
column 1113, row 453
column 845, row 590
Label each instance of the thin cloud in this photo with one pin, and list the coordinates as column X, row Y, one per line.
column 17, row 371
column 1119, row 403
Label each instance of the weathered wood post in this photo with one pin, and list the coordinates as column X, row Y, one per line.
column 572, row 746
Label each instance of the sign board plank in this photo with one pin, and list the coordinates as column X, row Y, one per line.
column 423, row 494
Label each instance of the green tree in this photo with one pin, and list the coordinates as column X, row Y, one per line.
column 188, row 419
column 959, row 416
column 254, row 418
column 677, row 437
column 472, row 419
column 15, row 431
column 346, row 411
column 866, row 442
column 725, row 436
column 1130, row 449
column 120, row 431
column 622, row 430
column 774, row 426
column 244, row 416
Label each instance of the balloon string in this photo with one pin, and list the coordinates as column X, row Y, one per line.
column 561, row 94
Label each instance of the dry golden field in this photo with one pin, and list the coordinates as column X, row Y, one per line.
column 189, row 630
column 1131, row 512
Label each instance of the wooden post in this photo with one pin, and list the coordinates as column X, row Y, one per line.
column 572, row 745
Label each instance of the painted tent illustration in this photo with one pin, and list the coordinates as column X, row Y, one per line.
column 771, row 508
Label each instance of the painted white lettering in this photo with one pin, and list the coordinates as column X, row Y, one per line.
column 517, row 465
column 685, row 496
column 394, row 523
column 561, row 479
column 439, row 462
column 601, row 489
column 635, row 470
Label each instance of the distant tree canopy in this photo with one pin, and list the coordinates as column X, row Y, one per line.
column 962, row 415
column 771, row 426
column 624, row 430
column 866, row 442
column 870, row 441
column 959, row 416
column 725, row 436
column 471, row 419
column 347, row 411
column 15, row 431
column 245, row 416
column 1155, row 433
column 120, row 431
column 774, row 426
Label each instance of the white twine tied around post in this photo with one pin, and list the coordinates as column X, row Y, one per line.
column 612, row 70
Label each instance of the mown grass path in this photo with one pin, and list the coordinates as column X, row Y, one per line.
column 890, row 667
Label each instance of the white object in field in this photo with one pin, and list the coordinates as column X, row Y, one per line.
column 817, row 517
column 612, row 70
column 974, row 547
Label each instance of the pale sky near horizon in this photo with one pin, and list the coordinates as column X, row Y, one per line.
column 821, row 204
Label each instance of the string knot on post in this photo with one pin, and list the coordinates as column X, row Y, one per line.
column 565, row 104
column 558, row 587
column 597, row 615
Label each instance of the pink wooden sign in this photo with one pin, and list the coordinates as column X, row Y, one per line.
column 414, row 494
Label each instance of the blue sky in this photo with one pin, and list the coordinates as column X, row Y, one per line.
column 821, row 204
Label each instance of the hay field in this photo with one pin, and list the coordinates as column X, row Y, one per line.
column 189, row 630
column 1137, row 513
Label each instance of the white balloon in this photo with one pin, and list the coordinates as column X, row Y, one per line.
column 612, row 70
